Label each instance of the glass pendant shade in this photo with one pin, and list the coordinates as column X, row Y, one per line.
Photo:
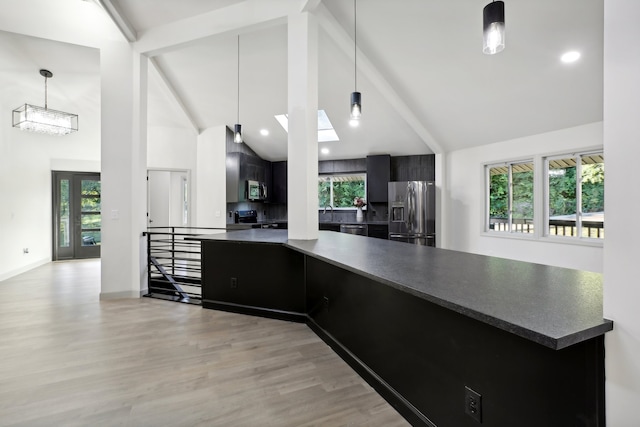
column 44, row 120
column 237, row 133
column 356, row 105
column 494, row 28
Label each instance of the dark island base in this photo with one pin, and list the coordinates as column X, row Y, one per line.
column 427, row 354
column 417, row 355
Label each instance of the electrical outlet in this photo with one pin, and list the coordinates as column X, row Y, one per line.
column 25, row 250
column 473, row 404
column 234, row 282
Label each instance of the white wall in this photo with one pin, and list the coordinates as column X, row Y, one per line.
column 171, row 148
column 175, row 149
column 621, row 253
column 211, row 176
column 464, row 204
column 26, row 158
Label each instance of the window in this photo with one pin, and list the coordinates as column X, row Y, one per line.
column 575, row 196
column 510, row 204
column 339, row 191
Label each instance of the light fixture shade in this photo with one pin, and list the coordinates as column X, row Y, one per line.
column 494, row 29
column 237, row 133
column 356, row 105
column 44, row 120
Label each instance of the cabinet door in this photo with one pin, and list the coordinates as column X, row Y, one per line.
column 380, row 231
column 279, row 178
column 233, row 178
column 378, row 175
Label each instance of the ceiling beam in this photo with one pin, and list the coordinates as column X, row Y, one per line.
column 345, row 42
column 119, row 18
column 169, row 91
column 310, row 5
column 247, row 16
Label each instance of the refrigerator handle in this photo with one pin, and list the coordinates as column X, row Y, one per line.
column 411, row 209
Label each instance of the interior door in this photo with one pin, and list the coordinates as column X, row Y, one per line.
column 77, row 215
column 168, row 198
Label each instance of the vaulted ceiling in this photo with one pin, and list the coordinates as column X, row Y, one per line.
column 426, row 85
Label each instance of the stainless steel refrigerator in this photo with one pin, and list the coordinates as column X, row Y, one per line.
column 412, row 212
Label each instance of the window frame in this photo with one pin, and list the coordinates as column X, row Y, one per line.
column 577, row 156
column 487, row 190
column 338, row 174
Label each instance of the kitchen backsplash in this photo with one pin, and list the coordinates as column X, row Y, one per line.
column 278, row 212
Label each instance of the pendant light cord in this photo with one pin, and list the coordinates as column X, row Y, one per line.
column 238, row 112
column 355, row 45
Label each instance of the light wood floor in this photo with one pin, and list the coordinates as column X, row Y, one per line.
column 68, row 359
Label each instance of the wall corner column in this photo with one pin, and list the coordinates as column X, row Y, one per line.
column 302, row 166
column 124, row 170
column 621, row 136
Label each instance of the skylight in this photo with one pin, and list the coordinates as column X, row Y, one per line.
column 326, row 133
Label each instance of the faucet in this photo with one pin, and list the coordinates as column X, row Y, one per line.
column 325, row 211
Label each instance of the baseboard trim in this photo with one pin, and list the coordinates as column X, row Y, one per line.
column 120, row 295
column 395, row 399
column 24, row 269
column 290, row 316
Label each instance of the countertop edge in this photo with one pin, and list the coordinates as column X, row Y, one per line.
column 551, row 341
column 556, row 343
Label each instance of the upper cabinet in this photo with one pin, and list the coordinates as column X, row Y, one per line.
column 242, row 167
column 378, row 177
column 278, row 192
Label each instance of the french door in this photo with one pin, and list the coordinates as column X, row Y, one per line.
column 77, row 216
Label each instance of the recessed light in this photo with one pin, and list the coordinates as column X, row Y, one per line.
column 570, row 57
column 354, row 123
column 324, row 150
column 264, row 132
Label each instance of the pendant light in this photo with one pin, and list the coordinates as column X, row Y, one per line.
column 493, row 25
column 43, row 120
column 237, row 128
column 356, row 97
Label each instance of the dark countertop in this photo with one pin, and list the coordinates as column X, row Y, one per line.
column 553, row 306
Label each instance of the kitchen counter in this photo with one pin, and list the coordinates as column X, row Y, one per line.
column 420, row 324
column 553, row 306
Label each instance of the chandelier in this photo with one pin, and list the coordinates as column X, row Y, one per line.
column 44, row 120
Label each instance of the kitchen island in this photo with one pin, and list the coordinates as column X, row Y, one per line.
column 420, row 324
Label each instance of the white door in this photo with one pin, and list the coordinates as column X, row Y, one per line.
column 168, row 198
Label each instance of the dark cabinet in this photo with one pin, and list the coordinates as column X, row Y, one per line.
column 278, row 193
column 341, row 166
column 380, row 231
column 414, row 168
column 242, row 167
column 329, row 226
column 378, row 177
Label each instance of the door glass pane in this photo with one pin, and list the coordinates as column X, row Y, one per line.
column 90, row 221
column 499, row 198
column 90, row 238
column 63, row 226
column 593, row 196
column 562, row 197
column 91, row 217
column 90, row 187
column 90, row 204
column 522, row 201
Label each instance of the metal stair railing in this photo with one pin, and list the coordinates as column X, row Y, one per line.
column 174, row 264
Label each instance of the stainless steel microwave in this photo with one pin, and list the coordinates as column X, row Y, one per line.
column 256, row 190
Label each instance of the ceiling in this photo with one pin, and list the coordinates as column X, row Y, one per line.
column 425, row 83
